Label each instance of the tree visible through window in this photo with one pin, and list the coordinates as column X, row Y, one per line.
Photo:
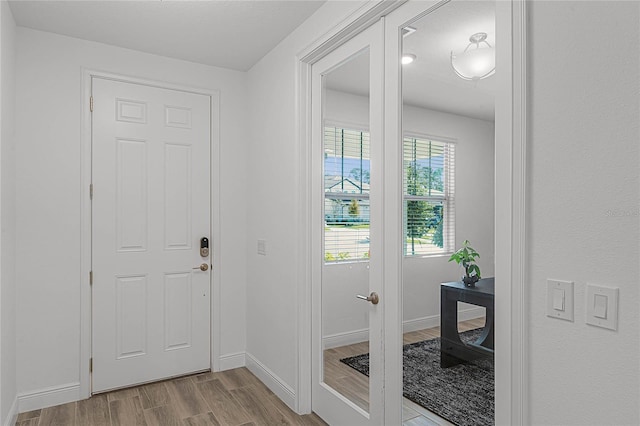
column 428, row 185
column 428, row 196
column 346, row 190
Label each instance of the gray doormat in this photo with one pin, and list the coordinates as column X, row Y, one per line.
column 463, row 394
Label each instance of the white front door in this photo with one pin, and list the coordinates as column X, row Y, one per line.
column 348, row 247
column 150, row 209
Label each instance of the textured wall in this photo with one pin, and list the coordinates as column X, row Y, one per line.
column 583, row 206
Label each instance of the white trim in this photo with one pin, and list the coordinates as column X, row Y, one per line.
column 12, row 415
column 369, row 13
column 434, row 320
column 84, row 390
column 345, row 338
column 356, row 127
column 216, row 232
column 48, row 397
column 511, row 194
column 428, row 137
column 272, row 381
column 511, row 185
column 231, row 361
column 85, row 237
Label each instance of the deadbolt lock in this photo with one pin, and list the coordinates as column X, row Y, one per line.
column 204, row 247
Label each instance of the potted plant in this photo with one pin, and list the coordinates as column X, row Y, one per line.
column 466, row 256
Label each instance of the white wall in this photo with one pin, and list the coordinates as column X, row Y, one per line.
column 7, row 218
column 584, row 141
column 272, row 279
column 474, row 198
column 48, row 113
column 583, row 221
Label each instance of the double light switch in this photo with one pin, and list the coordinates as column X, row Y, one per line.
column 602, row 303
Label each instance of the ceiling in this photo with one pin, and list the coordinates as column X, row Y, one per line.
column 236, row 34
column 230, row 34
column 429, row 82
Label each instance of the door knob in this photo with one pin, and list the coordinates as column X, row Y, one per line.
column 373, row 298
column 203, row 267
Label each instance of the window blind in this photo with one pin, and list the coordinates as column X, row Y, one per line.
column 346, row 189
column 429, row 202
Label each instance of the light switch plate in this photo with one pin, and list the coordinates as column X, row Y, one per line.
column 560, row 299
column 602, row 306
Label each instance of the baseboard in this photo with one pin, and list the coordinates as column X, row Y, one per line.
column 420, row 323
column 344, row 339
column 434, row 320
column 231, row 361
column 12, row 415
column 272, row 381
column 358, row 336
column 48, row 397
column 471, row 313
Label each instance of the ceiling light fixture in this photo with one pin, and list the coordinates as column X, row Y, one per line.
column 407, row 58
column 475, row 64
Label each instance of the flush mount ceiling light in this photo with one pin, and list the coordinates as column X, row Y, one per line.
column 407, row 58
column 476, row 63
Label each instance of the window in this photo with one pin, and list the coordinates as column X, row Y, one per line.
column 428, row 188
column 428, row 182
column 346, row 194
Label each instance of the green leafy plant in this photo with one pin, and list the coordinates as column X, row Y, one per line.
column 466, row 256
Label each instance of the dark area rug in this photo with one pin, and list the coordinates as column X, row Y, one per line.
column 463, row 394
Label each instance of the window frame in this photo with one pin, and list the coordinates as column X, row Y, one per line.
column 447, row 200
column 354, row 127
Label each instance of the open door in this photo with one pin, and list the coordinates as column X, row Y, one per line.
column 347, row 231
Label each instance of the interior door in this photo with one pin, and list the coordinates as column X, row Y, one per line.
column 150, row 211
column 347, row 231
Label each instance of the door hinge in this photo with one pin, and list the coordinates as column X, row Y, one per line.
column 91, row 365
column 91, row 104
column 90, row 277
column 91, row 191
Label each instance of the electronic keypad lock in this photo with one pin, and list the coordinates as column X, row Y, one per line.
column 204, row 247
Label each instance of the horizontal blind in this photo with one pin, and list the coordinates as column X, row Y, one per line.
column 428, row 187
column 346, row 189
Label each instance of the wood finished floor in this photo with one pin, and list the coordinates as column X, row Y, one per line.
column 355, row 386
column 233, row 397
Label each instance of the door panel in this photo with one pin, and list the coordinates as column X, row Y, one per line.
column 348, row 246
column 151, row 206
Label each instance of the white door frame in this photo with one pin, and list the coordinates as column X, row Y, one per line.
column 327, row 399
column 85, row 217
column 510, row 208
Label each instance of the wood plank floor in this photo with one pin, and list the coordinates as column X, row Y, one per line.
column 233, row 397
column 355, row 386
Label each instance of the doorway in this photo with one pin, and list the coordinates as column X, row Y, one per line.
column 510, row 162
column 150, row 233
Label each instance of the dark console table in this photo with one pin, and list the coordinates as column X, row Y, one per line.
column 452, row 350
